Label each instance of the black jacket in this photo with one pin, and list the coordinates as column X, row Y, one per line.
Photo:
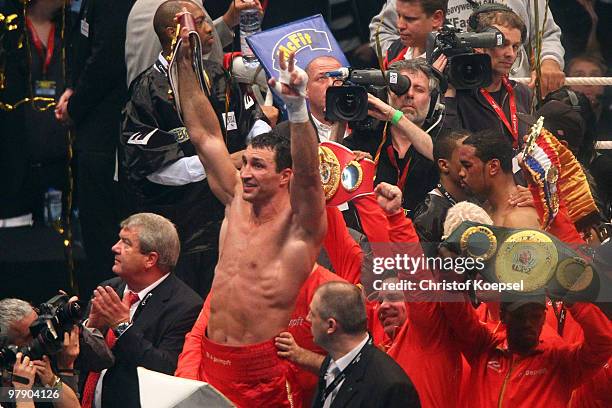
column 153, row 137
column 154, row 341
column 470, row 110
column 375, row 381
column 98, row 73
column 429, row 220
column 422, row 173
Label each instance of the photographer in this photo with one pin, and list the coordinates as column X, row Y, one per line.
column 402, row 150
column 18, row 320
column 23, row 378
column 415, row 19
column 385, row 26
column 18, row 323
column 498, row 105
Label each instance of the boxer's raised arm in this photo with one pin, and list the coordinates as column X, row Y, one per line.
column 306, row 191
column 307, row 198
column 204, row 129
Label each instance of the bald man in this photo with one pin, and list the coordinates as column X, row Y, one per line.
column 141, row 46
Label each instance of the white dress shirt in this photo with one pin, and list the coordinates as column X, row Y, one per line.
column 336, row 367
column 324, row 131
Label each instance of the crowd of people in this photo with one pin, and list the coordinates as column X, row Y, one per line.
column 213, row 252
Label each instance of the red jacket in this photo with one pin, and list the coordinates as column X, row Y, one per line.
column 425, row 346
column 545, row 378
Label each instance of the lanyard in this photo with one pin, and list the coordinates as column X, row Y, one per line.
column 446, row 194
column 401, row 181
column 340, row 377
column 500, row 113
column 560, row 314
column 39, row 46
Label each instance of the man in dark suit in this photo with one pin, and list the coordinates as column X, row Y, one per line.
column 355, row 373
column 145, row 311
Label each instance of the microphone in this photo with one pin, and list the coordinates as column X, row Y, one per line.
column 398, row 83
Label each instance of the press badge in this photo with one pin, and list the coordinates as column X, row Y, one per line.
column 85, row 28
column 44, row 88
column 230, row 121
column 515, row 164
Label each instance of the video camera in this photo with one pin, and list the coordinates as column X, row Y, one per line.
column 56, row 317
column 349, row 101
column 465, row 68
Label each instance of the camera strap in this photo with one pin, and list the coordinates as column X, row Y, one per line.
column 500, row 112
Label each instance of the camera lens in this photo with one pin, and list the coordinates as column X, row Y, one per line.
column 470, row 73
column 348, row 105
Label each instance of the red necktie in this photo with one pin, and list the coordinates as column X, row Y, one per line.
column 92, row 378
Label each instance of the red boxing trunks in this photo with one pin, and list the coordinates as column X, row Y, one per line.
column 250, row 376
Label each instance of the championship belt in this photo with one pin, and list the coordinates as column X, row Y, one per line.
column 542, row 162
column 558, row 175
column 186, row 20
column 342, row 176
column 537, row 260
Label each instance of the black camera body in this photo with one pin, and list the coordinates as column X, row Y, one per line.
column 56, row 317
column 349, row 101
column 465, row 69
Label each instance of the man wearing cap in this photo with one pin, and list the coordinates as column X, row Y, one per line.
column 524, row 369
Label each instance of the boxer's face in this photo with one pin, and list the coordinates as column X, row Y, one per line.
column 472, row 172
column 260, row 179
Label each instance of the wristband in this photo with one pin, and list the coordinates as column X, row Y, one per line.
column 297, row 111
column 396, row 117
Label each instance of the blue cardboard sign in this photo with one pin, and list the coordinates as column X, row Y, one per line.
column 309, row 38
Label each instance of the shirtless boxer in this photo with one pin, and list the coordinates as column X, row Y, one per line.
column 271, row 235
column 486, row 170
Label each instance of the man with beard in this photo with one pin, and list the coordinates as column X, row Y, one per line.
column 399, row 145
column 486, row 171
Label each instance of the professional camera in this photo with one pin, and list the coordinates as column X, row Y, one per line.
column 465, row 68
column 349, row 101
column 56, row 317
column 8, row 356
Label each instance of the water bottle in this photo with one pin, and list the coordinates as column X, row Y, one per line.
column 250, row 23
column 53, row 208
